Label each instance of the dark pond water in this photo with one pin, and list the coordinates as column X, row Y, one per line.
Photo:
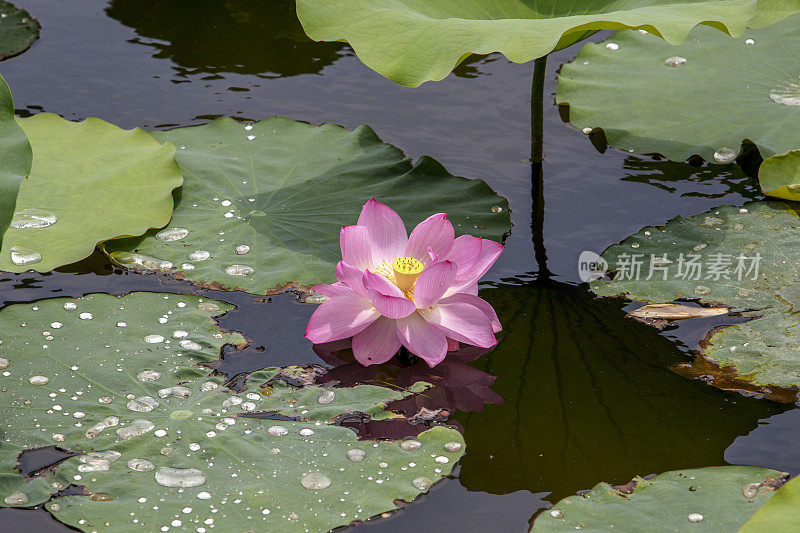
column 579, row 394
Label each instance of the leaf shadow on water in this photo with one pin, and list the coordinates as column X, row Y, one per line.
column 589, row 398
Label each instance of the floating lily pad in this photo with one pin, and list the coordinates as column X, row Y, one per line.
column 263, row 204
column 742, row 258
column 779, row 513
column 164, row 445
column 89, row 181
column 413, row 41
column 18, row 30
column 707, row 499
column 15, row 157
column 698, row 98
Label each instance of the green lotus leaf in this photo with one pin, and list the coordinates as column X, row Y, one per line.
column 262, row 205
column 158, row 443
column 742, row 258
column 15, row 157
column 89, row 181
column 698, row 98
column 705, row 499
column 18, row 30
column 779, row 513
column 779, row 175
column 413, row 41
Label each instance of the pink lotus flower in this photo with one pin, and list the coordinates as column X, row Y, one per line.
column 418, row 291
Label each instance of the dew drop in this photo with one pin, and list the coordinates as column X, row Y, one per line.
column 306, row 432
column 751, row 490
column 242, row 249
column 187, row 344
column 154, row 339
column 179, row 477
column 70, row 306
column 86, row 316
column 410, row 445
column 59, row 437
column 675, row 61
column 136, row 428
column 452, row 446
column 239, row 270
column 22, row 255
column 710, row 222
column 203, row 496
column 107, row 422
column 315, row 481
column 208, row 386
column 208, row 307
column 122, row 324
column 33, row 219
column 199, row 255
column 3, row 363
column 141, row 465
column 101, row 497
column 700, row 247
column 786, row 92
column 187, row 266
column 143, row 260
column 178, row 391
column 16, row 498
column 702, row 290
column 97, row 461
column 180, row 334
column 695, row 517
column 612, row 46
column 143, row 404
column 725, row 155
column 442, row 460
column 146, row 376
column 356, row 455
column 422, row 483
column 56, row 325
column 251, row 137
column 160, row 433
column 278, row 431
column 38, row 380
column 557, row 513
column 172, row 234
column 326, row 397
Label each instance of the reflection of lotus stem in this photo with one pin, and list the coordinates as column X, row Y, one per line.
column 537, row 176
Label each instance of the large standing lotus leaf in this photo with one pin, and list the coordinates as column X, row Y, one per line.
column 89, row 181
column 18, row 30
column 413, row 41
column 703, row 499
column 744, row 258
column 263, row 204
column 164, row 446
column 696, row 98
column 15, row 157
column 779, row 513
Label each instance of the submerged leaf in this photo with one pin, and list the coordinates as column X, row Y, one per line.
column 89, row 181
column 15, row 157
column 696, row 98
column 413, row 41
column 675, row 311
column 18, row 30
column 164, row 445
column 745, row 258
column 263, row 204
column 715, row 498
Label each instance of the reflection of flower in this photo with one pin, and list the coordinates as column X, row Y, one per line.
column 418, row 291
column 457, row 385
